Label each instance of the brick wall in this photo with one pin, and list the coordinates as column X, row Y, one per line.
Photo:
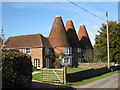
column 94, row 65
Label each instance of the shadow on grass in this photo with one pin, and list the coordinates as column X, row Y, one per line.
column 90, row 73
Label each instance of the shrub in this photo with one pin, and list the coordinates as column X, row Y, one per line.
column 34, row 68
column 16, row 70
column 56, row 64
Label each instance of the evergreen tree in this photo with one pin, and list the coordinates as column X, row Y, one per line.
column 100, row 47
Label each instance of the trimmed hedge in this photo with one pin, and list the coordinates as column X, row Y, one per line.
column 16, row 70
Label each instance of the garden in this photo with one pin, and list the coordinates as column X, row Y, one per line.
column 38, row 76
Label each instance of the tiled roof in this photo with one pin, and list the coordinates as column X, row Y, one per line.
column 45, row 41
column 82, row 32
column 58, row 36
column 24, row 41
column 84, row 38
column 72, row 35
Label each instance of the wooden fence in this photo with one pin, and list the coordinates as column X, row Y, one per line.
column 54, row 75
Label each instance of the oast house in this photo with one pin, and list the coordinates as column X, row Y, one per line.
column 62, row 40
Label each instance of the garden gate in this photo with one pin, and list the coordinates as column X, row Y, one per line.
column 54, row 75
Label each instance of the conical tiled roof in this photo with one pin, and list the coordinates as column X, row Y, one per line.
column 82, row 32
column 58, row 36
column 84, row 37
column 71, row 33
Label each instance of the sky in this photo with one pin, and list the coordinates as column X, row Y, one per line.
column 22, row 18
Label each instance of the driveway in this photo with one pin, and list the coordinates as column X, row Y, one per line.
column 108, row 82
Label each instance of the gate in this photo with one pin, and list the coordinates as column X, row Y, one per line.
column 54, row 75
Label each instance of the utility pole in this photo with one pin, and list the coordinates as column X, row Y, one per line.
column 107, row 40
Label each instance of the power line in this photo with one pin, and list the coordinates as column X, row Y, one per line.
column 76, row 13
column 86, row 10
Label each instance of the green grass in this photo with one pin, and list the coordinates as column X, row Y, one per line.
column 37, row 77
column 83, row 82
column 72, row 70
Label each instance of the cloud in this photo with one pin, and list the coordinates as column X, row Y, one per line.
column 95, row 27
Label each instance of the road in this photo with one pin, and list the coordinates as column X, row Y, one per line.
column 108, row 82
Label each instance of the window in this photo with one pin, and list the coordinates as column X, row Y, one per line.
column 70, row 50
column 27, row 50
column 37, row 63
column 79, row 60
column 79, row 50
column 67, row 50
column 67, row 60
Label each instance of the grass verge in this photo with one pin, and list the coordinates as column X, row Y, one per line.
column 83, row 82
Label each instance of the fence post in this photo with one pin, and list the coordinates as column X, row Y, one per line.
column 64, row 74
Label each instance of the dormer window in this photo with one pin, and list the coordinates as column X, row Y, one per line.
column 27, row 50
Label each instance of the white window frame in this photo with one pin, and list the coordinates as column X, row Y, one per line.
column 67, row 50
column 67, row 60
column 27, row 50
column 37, row 63
column 79, row 50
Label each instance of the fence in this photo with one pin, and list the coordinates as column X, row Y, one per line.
column 54, row 75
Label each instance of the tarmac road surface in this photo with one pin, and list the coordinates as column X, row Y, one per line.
column 108, row 82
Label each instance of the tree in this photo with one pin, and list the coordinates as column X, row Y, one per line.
column 100, row 47
column 88, row 55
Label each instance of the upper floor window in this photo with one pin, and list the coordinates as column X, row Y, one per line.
column 27, row 50
column 79, row 50
column 67, row 50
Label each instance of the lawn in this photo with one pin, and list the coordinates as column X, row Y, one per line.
column 72, row 70
column 39, row 77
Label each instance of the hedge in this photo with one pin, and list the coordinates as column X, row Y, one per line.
column 16, row 70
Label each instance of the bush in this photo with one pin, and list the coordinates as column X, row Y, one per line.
column 56, row 64
column 34, row 68
column 16, row 70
